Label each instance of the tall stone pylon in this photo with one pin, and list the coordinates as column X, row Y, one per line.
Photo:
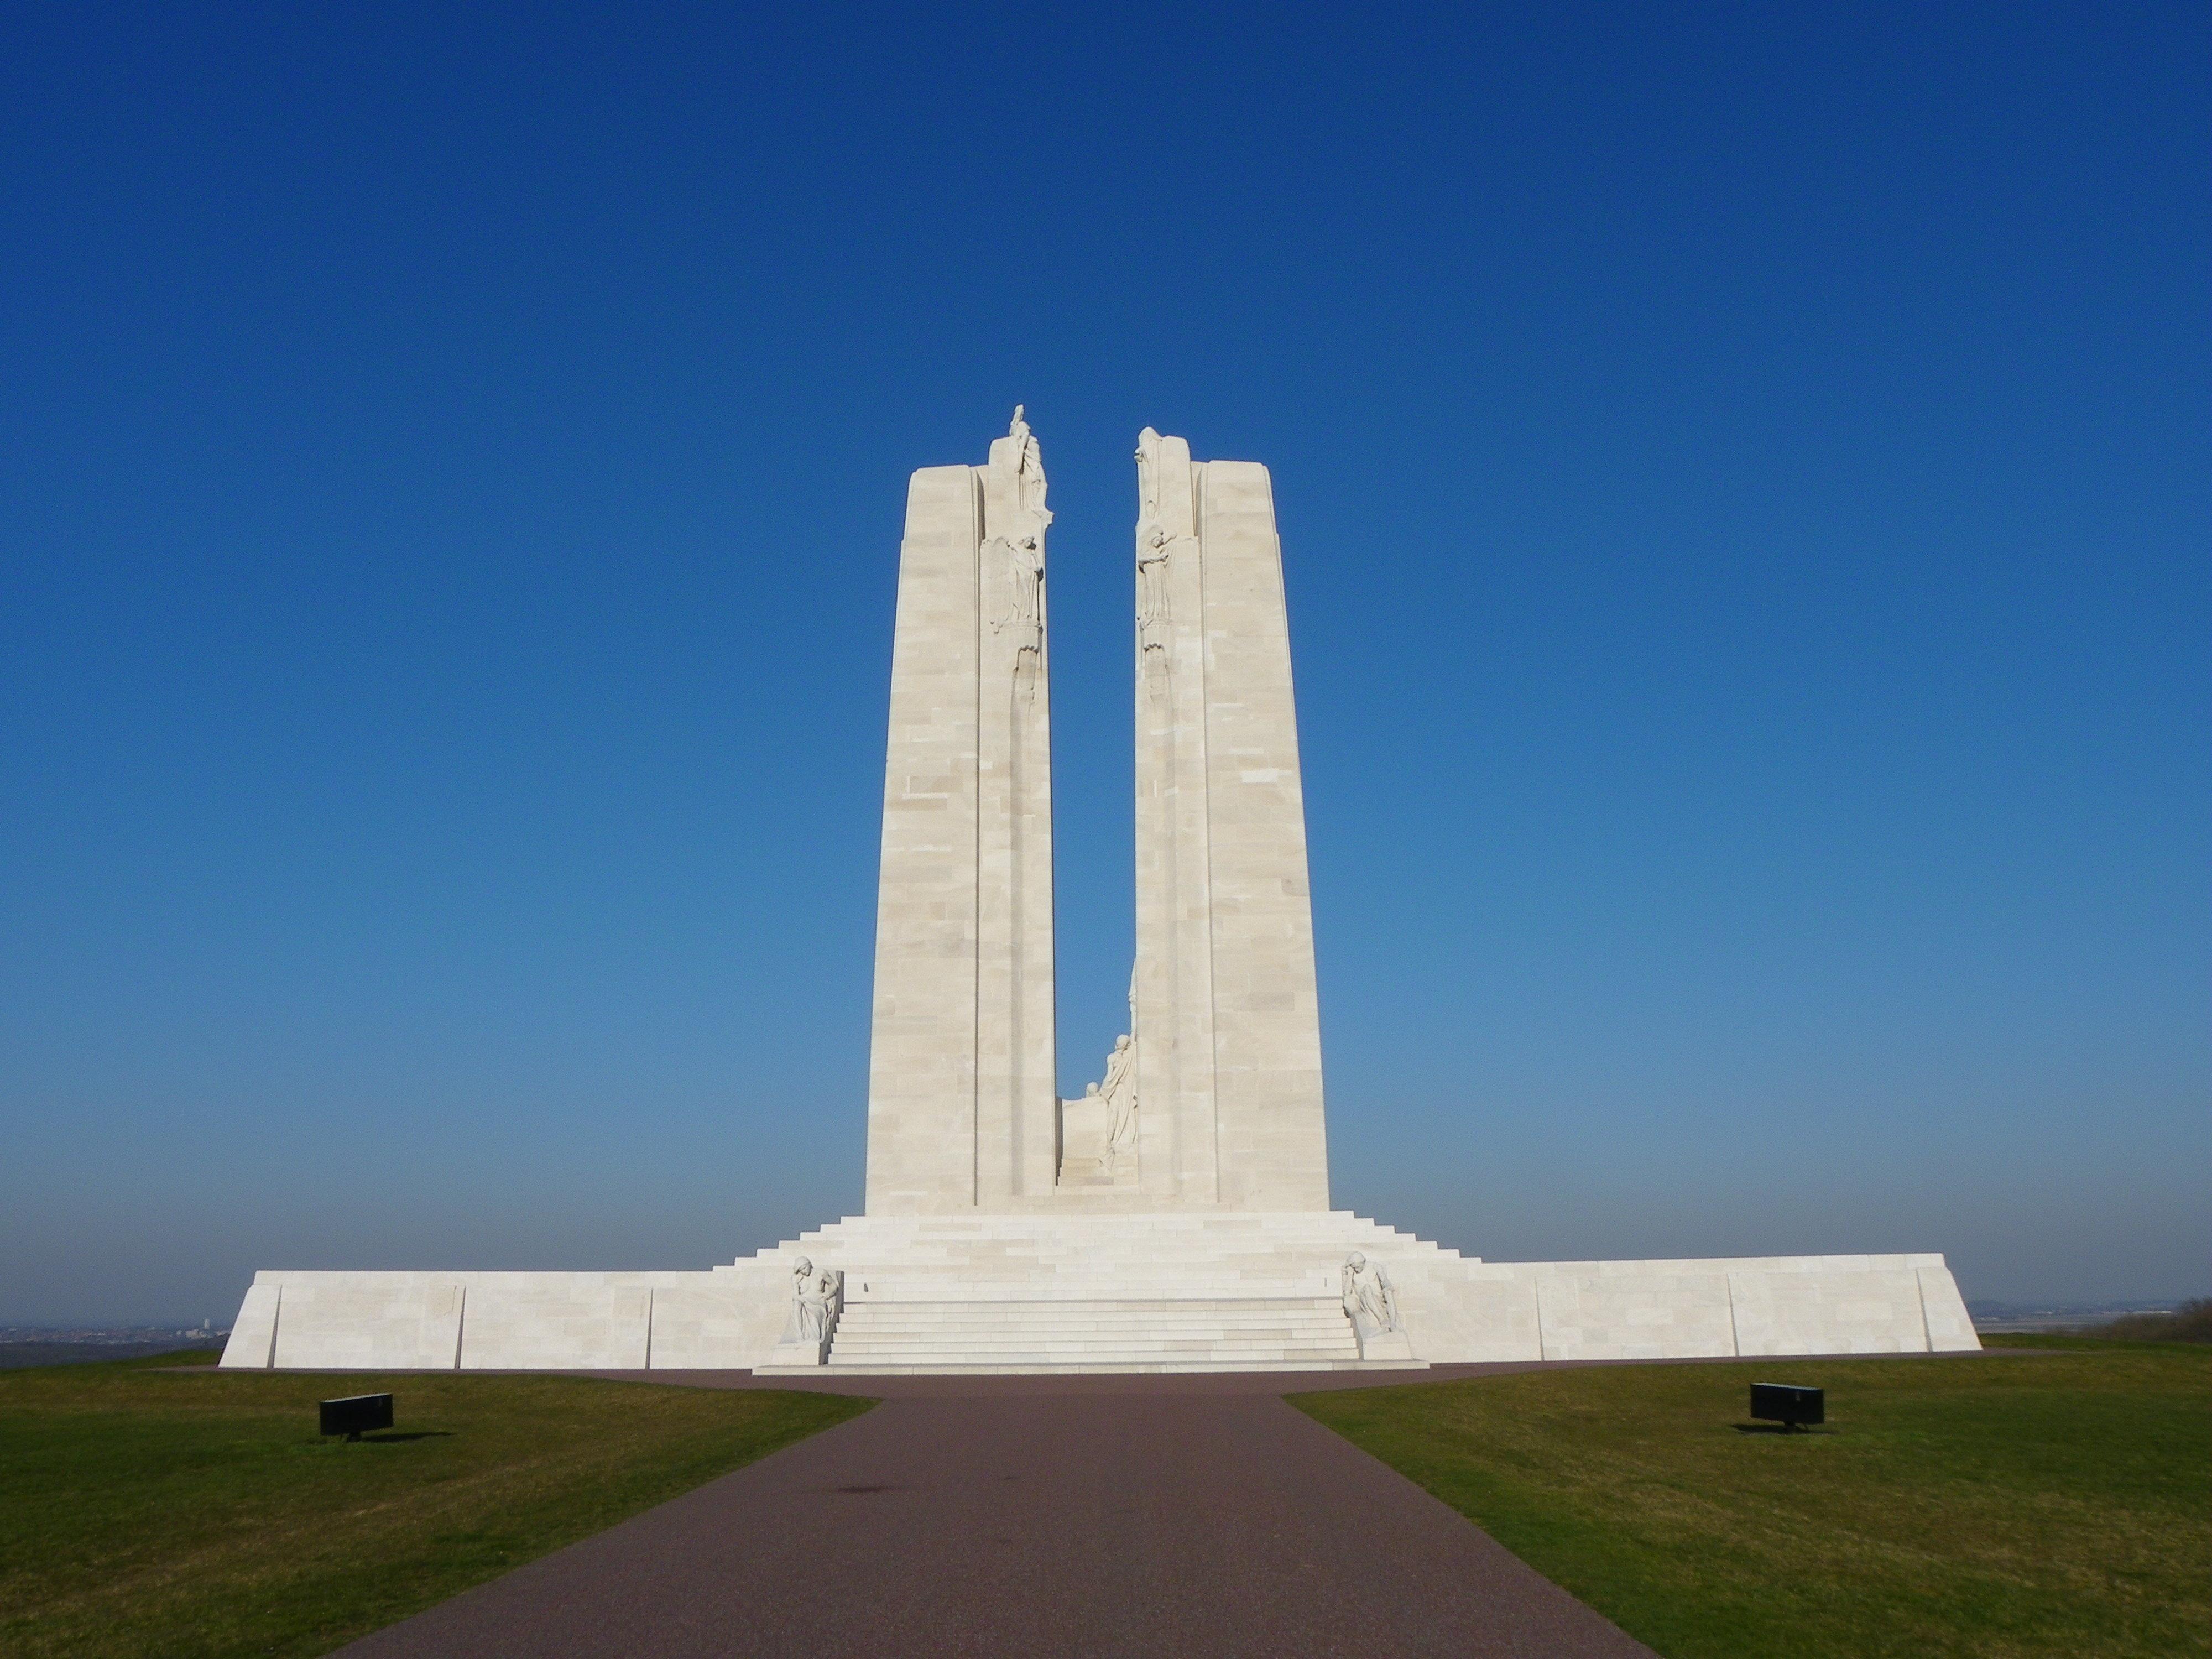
column 1228, row 1028
column 962, row 1097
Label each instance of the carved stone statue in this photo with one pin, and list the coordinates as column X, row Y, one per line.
column 1029, row 470
column 1017, row 552
column 1153, row 548
column 1023, row 562
column 1120, row 1092
column 1148, row 475
column 815, row 1296
column 1369, row 1298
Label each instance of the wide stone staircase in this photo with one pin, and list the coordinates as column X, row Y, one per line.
column 1253, row 1333
column 1203, row 1291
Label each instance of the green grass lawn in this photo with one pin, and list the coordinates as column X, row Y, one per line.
column 2003, row 1506
column 146, row 1511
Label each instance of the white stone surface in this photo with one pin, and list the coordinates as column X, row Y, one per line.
column 712, row 1321
column 1950, row 1327
column 1168, row 1289
column 1228, row 1017
column 963, row 1102
column 253, row 1334
column 327, row 1321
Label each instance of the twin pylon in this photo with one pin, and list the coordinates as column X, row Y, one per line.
column 1224, row 1102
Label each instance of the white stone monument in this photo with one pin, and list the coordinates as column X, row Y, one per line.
column 1175, row 1217
column 963, row 1101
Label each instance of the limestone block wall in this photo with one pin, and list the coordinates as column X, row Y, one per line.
column 356, row 1320
column 1273, row 1147
column 1457, row 1308
column 539, row 1321
column 1228, row 1015
column 922, row 1057
column 1018, row 1091
column 734, row 1318
column 718, row 1320
column 1177, row 1145
column 1466, row 1311
column 962, row 1096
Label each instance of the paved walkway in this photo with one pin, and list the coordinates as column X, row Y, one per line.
column 1035, row 1516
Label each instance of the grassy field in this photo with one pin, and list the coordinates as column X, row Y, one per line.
column 2001, row 1506
column 146, row 1511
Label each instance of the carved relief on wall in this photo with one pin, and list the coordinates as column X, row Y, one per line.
column 1155, row 549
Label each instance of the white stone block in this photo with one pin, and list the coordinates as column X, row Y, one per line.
column 1847, row 1310
column 253, row 1333
column 368, row 1321
column 1950, row 1328
column 1626, row 1315
column 532, row 1321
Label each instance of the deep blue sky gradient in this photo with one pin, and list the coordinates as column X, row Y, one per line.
column 1743, row 478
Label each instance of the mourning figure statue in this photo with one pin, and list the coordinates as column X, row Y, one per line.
column 1368, row 1299
column 815, row 1295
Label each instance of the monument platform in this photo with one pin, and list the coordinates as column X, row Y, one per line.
column 1171, row 1291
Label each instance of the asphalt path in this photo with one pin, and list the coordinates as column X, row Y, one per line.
column 1048, row 1515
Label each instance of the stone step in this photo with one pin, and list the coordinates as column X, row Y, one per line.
column 1073, row 1249
column 1103, row 1332
column 1092, row 1306
column 1255, row 1359
column 953, row 1334
column 879, row 1293
column 866, row 1343
column 1094, row 1335
column 1028, row 1368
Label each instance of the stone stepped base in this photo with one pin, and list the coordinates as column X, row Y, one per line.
column 1053, row 1368
column 1159, row 1269
column 1064, row 1333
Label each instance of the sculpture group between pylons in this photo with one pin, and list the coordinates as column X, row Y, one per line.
column 1176, row 1216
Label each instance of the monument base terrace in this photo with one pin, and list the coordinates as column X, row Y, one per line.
column 1176, row 1218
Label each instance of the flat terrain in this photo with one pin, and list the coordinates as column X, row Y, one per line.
column 145, row 1510
column 15, row 1354
column 2005, row 1506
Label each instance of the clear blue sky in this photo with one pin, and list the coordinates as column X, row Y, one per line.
column 1743, row 479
